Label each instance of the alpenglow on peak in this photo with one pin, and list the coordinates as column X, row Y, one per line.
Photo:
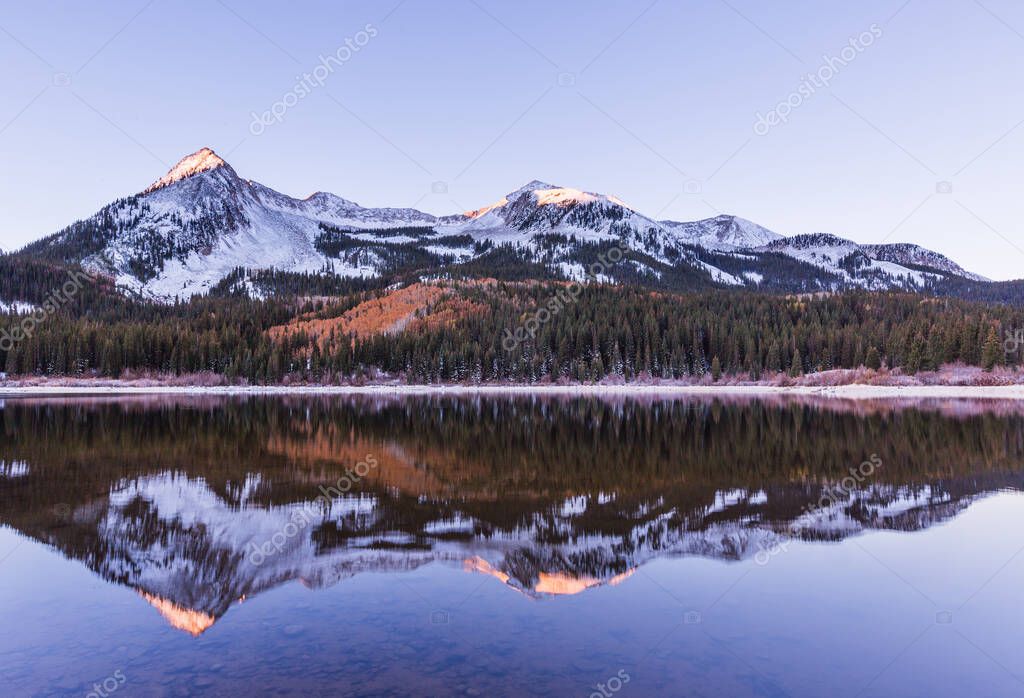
column 202, row 160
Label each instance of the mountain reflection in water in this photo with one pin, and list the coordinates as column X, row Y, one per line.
column 175, row 497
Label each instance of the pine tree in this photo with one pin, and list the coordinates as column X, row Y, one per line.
column 796, row 368
column 699, row 364
column 992, row 353
column 873, row 360
column 916, row 355
column 716, row 369
column 773, row 361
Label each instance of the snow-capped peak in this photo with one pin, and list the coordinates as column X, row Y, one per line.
column 201, row 222
column 535, row 188
column 324, row 199
column 535, row 185
column 562, row 197
column 545, row 194
column 202, row 160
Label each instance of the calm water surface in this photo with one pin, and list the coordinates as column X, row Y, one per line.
column 510, row 546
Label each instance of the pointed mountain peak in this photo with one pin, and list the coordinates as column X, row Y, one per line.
column 326, row 198
column 530, row 187
column 537, row 184
column 203, row 160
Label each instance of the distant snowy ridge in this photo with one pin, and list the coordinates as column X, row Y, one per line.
column 724, row 232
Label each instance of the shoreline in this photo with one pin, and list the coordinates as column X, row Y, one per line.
column 852, row 391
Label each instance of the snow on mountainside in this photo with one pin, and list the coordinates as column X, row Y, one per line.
column 202, row 160
column 198, row 223
column 544, row 208
column 905, row 253
column 540, row 209
column 851, row 262
column 195, row 225
column 819, row 249
column 723, row 232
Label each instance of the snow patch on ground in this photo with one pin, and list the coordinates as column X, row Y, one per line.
column 15, row 308
column 840, row 392
column 896, row 271
column 572, row 271
column 14, row 469
column 460, row 253
column 719, row 275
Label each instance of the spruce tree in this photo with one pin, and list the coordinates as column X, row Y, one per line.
column 796, row 368
column 773, row 361
column 992, row 352
column 915, row 358
column 873, row 360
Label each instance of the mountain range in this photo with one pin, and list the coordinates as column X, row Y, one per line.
column 187, row 233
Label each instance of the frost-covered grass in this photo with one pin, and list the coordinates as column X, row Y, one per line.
column 952, row 381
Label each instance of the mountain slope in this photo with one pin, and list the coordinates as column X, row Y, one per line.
column 859, row 266
column 191, row 228
column 723, row 232
column 910, row 255
column 199, row 223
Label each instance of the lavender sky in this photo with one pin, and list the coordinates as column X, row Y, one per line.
column 447, row 105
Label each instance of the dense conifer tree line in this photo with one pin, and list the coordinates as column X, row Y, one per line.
column 598, row 332
column 632, row 333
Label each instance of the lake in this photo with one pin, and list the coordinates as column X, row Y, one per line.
column 490, row 546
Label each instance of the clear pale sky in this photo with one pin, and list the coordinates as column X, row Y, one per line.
column 647, row 101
